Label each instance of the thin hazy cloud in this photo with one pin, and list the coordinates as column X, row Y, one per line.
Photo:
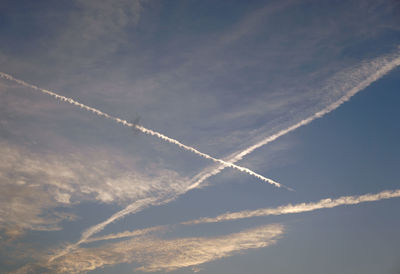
column 281, row 210
column 222, row 80
column 166, row 255
column 140, row 128
column 371, row 71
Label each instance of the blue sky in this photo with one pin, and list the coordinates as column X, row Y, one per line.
column 320, row 77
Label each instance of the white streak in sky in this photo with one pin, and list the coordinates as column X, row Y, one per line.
column 299, row 208
column 281, row 210
column 128, row 234
column 385, row 64
column 140, row 128
column 134, row 207
column 152, row 254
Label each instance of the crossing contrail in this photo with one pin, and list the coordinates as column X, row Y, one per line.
column 299, row 208
column 141, row 128
column 385, row 64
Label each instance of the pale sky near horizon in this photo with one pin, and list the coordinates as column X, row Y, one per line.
column 218, row 76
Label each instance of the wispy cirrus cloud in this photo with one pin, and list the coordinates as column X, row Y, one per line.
column 238, row 86
column 281, row 210
column 351, row 83
column 34, row 184
column 140, row 128
column 154, row 254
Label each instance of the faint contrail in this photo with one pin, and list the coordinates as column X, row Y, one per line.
column 134, row 207
column 128, row 234
column 385, row 63
column 299, row 208
column 141, row 128
column 281, row 210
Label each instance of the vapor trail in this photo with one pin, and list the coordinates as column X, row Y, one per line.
column 128, row 234
column 281, row 210
column 134, row 207
column 385, row 63
column 299, row 208
column 141, row 128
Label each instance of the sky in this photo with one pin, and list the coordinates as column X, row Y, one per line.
column 142, row 136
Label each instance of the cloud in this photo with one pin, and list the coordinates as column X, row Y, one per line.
column 352, row 81
column 70, row 38
column 357, row 80
column 34, row 184
column 89, row 42
column 247, row 25
column 154, row 254
column 128, row 234
column 140, row 128
column 92, row 24
column 281, row 210
column 24, row 203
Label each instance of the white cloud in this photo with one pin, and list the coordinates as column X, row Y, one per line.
column 357, row 80
column 94, row 23
column 347, row 84
column 35, row 183
column 140, row 128
column 155, row 254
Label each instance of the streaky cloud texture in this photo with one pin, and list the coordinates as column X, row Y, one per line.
column 361, row 77
column 84, row 191
column 127, row 234
column 281, row 210
column 357, row 80
column 37, row 186
column 154, row 254
column 140, row 128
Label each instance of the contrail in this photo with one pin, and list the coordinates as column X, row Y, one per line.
column 385, row 63
column 142, row 129
column 281, row 210
column 134, row 207
column 128, row 234
column 299, row 208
